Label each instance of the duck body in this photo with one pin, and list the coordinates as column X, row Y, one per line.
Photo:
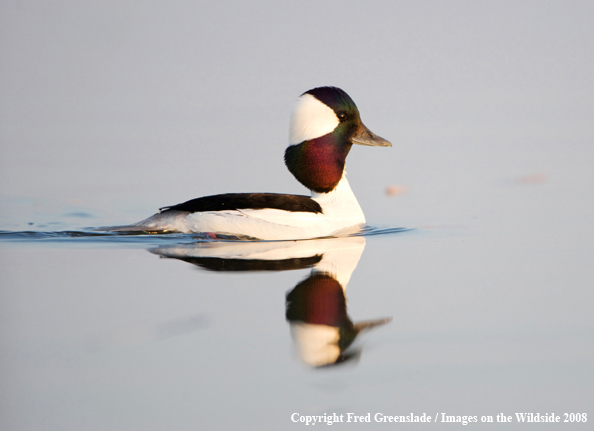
column 265, row 216
column 324, row 125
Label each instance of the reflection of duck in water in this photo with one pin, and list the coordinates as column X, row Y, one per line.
column 321, row 328
column 316, row 308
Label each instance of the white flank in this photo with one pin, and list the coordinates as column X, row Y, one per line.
column 310, row 119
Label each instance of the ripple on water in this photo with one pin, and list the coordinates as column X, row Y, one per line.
column 90, row 236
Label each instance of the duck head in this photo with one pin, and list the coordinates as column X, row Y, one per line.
column 324, row 125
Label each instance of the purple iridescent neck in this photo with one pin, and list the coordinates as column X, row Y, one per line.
column 318, row 164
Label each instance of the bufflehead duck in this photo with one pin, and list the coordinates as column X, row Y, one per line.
column 324, row 124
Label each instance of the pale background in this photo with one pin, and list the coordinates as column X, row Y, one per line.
column 144, row 103
column 109, row 110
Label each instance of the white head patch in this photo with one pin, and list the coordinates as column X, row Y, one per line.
column 310, row 119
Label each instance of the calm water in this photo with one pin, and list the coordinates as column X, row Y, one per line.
column 104, row 331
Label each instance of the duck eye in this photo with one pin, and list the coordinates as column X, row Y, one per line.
column 342, row 116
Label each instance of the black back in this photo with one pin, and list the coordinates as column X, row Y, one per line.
column 237, row 201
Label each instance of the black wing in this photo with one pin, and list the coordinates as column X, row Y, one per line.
column 237, row 201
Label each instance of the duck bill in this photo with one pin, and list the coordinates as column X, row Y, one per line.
column 364, row 136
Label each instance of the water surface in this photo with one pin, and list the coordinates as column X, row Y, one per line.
column 116, row 331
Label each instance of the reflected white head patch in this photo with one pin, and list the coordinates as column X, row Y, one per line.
column 310, row 119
